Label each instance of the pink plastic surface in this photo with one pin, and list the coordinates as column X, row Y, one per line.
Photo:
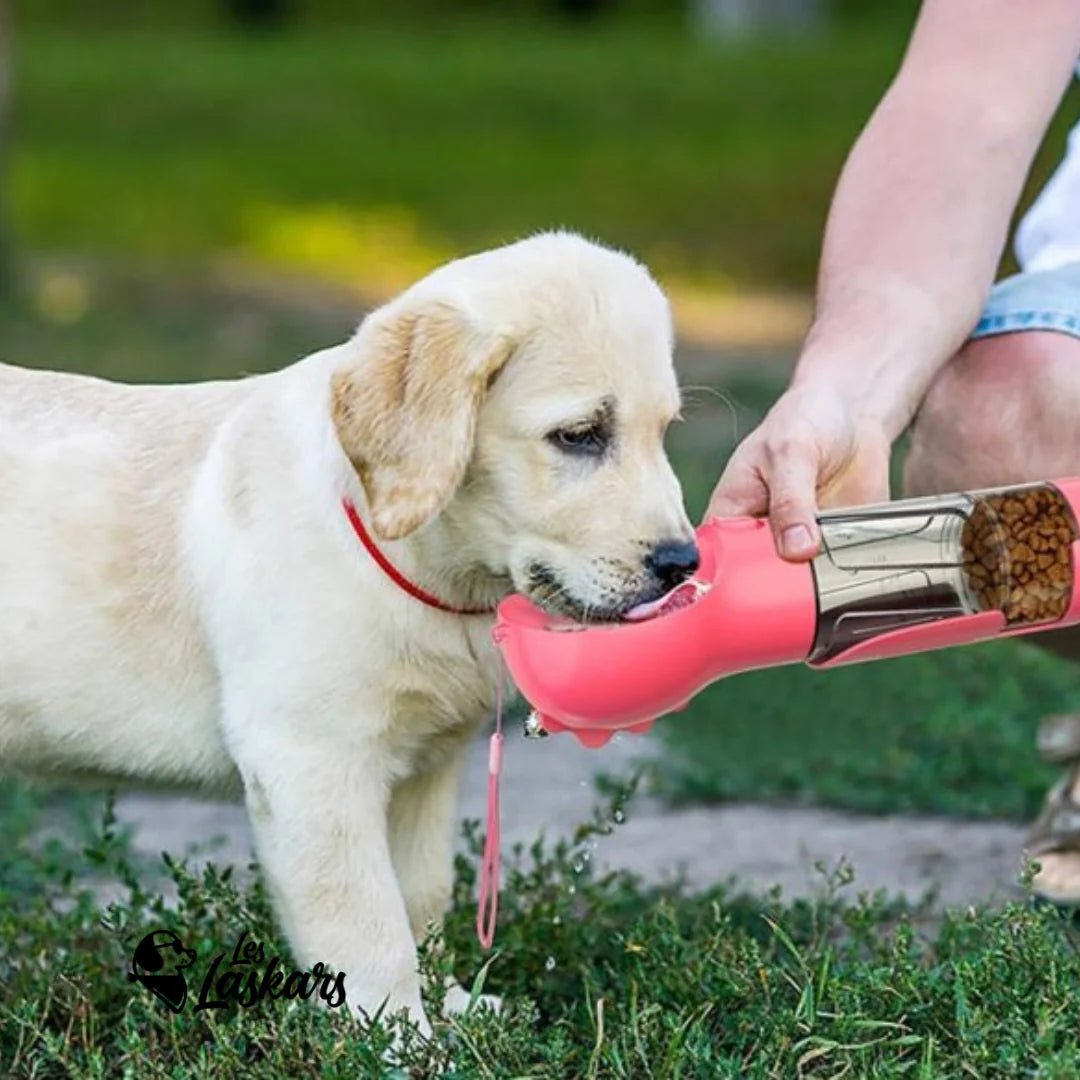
column 1071, row 490
column 759, row 611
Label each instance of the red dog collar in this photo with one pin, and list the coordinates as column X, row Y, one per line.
column 395, row 575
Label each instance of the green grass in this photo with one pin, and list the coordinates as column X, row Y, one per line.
column 601, row 977
column 949, row 733
column 367, row 151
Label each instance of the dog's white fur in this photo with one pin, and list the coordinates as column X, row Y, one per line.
column 182, row 601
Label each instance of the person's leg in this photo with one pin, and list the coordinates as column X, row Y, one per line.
column 1007, row 409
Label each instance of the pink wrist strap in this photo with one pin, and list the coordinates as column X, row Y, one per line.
column 488, row 904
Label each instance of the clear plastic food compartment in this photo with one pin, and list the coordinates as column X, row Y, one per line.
column 886, row 567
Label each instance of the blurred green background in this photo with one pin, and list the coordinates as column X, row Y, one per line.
column 360, row 145
column 203, row 189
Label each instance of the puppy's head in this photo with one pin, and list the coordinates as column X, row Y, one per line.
column 522, row 395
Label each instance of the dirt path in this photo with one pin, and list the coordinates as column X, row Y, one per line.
column 547, row 785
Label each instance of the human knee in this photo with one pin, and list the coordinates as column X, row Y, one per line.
column 997, row 413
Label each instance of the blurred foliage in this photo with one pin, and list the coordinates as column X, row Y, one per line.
column 342, row 12
column 951, row 732
column 135, row 326
column 6, row 254
column 183, row 144
column 374, row 138
column 352, row 12
column 366, row 152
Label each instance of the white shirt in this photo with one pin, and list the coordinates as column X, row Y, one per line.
column 1048, row 235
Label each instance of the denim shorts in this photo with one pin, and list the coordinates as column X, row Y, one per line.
column 1043, row 300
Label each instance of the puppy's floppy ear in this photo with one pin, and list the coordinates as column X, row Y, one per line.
column 405, row 409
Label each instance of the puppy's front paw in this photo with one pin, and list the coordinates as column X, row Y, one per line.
column 457, row 1001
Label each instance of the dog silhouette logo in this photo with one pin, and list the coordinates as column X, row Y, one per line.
column 158, row 964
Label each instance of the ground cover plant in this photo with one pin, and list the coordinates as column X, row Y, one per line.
column 602, row 976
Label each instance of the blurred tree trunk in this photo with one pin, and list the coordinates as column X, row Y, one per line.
column 739, row 18
column 258, row 14
column 6, row 258
column 580, row 9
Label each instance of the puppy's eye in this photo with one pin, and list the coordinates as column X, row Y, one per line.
column 586, row 441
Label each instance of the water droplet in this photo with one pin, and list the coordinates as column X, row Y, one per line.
column 557, row 921
column 549, row 964
column 578, row 866
column 572, row 890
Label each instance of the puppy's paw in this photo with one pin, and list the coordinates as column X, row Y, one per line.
column 458, row 998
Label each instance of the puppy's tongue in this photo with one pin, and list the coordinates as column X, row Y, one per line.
column 681, row 596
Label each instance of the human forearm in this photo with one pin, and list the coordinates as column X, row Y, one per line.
column 921, row 212
column 909, row 255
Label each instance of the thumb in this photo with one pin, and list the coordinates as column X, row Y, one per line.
column 793, row 508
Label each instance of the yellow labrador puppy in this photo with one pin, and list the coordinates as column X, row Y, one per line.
column 183, row 599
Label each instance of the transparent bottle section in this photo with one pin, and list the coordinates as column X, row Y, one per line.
column 886, row 567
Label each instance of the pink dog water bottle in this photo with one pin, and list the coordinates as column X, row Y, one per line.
column 890, row 579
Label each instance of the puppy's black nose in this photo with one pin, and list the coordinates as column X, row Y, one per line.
column 672, row 562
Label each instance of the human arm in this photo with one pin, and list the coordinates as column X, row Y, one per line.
column 916, row 227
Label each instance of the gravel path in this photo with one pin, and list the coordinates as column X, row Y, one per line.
column 547, row 785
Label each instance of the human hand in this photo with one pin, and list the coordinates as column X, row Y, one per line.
column 811, row 449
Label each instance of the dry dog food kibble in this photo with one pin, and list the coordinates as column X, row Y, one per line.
column 1018, row 554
